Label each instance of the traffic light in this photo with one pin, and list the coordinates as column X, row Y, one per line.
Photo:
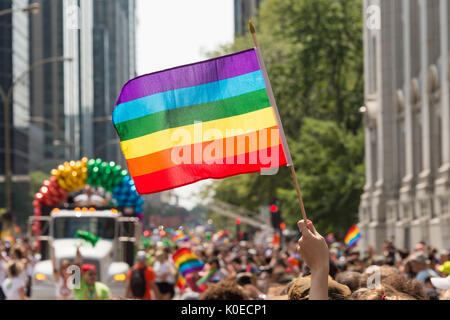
column 275, row 216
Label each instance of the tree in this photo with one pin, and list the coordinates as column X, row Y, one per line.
column 313, row 52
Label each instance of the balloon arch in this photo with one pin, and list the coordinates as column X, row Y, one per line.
column 74, row 175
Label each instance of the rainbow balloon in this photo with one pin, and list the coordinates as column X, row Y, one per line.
column 72, row 176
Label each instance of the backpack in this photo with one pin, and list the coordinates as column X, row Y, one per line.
column 137, row 282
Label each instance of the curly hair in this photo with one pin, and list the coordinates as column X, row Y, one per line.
column 381, row 292
column 350, row 278
column 390, row 277
column 224, row 290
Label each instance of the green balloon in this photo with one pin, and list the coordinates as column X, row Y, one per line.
column 87, row 236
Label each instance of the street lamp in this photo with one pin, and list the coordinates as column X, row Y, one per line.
column 33, row 8
column 6, row 102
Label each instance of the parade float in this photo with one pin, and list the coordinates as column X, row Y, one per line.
column 72, row 176
column 107, row 234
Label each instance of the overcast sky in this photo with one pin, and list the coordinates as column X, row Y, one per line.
column 176, row 32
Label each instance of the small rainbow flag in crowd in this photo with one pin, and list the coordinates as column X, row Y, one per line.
column 178, row 236
column 186, row 261
column 252, row 268
column 353, row 235
column 294, row 260
column 202, row 113
column 207, row 277
column 330, row 238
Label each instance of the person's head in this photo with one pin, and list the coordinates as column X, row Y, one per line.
column 224, row 290
column 17, row 253
column 301, row 286
column 444, row 256
column 214, row 263
column 63, row 268
column 390, row 277
column 14, row 268
column 445, row 295
column 381, row 292
column 141, row 256
column 89, row 272
column 419, row 261
column 160, row 255
column 236, row 263
column 350, row 278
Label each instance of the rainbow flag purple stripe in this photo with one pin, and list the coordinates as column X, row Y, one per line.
column 228, row 66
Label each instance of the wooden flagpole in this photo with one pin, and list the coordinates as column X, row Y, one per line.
column 280, row 126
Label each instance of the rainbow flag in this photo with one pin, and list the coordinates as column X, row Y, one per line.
column 353, row 235
column 181, row 283
column 186, row 262
column 294, row 260
column 178, row 236
column 207, row 277
column 210, row 119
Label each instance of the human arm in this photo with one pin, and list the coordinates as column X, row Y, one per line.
column 155, row 290
column 22, row 294
column 55, row 269
column 314, row 251
column 78, row 257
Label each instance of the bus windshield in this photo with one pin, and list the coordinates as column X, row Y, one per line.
column 66, row 227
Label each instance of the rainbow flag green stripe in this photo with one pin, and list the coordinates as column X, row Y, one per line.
column 172, row 118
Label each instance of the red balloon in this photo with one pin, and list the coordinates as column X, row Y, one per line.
column 37, row 211
column 36, row 203
column 38, row 196
column 46, row 183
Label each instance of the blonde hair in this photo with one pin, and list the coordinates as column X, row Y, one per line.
column 445, row 295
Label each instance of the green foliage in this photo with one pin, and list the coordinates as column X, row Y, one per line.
column 330, row 162
column 313, row 53
column 36, row 179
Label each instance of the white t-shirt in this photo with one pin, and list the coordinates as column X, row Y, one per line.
column 62, row 291
column 11, row 288
column 162, row 269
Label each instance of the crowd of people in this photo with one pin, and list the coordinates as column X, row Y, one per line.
column 307, row 268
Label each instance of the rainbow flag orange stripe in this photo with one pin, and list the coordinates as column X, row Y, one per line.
column 353, row 235
column 210, row 119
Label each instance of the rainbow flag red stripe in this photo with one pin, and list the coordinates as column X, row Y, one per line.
column 210, row 119
column 353, row 235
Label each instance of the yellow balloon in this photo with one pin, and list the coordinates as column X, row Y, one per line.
column 63, row 184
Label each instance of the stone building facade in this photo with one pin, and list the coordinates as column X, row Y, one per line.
column 407, row 123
